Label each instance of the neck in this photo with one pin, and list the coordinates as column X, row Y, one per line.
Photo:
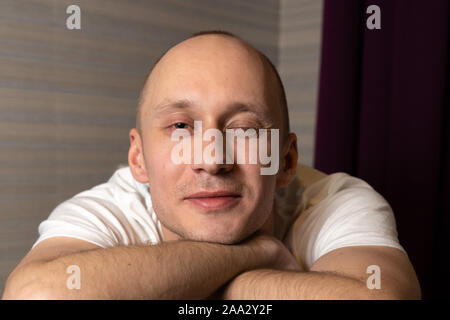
column 169, row 235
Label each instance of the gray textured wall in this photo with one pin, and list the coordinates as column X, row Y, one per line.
column 298, row 64
column 68, row 98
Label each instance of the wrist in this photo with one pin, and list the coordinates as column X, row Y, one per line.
column 261, row 251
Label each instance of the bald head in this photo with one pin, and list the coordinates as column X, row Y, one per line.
column 222, row 60
column 215, row 83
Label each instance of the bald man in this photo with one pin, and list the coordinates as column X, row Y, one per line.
column 213, row 229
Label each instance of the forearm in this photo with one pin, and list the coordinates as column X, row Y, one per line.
column 275, row 284
column 174, row 270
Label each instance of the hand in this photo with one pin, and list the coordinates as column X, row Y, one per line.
column 276, row 255
column 272, row 253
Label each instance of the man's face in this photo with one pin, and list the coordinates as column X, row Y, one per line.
column 218, row 81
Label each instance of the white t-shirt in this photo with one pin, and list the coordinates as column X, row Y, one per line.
column 334, row 212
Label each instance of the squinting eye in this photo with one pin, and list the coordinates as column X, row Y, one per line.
column 248, row 131
column 244, row 128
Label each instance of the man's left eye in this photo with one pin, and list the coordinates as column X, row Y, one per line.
column 244, row 128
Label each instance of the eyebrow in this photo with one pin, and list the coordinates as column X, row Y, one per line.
column 177, row 104
column 232, row 108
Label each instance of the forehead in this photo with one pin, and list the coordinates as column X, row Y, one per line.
column 215, row 70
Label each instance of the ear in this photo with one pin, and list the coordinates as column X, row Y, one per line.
column 288, row 161
column 136, row 157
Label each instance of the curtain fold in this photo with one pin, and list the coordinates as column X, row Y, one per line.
column 383, row 116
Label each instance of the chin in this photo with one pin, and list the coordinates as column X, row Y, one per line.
column 225, row 237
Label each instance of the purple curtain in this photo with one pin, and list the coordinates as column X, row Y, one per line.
column 383, row 116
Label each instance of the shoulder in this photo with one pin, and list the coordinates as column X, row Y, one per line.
column 121, row 196
column 117, row 212
column 337, row 211
column 338, row 196
column 119, row 187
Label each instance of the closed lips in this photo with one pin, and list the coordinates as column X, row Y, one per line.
column 214, row 194
column 214, row 200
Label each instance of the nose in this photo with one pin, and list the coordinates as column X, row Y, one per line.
column 210, row 155
column 213, row 168
column 208, row 163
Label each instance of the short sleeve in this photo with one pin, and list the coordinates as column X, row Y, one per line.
column 114, row 213
column 82, row 218
column 346, row 212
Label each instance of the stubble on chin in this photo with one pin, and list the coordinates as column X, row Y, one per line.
column 173, row 234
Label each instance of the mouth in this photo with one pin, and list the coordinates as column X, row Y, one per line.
column 215, row 200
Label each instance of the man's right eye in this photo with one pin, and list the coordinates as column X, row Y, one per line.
column 180, row 125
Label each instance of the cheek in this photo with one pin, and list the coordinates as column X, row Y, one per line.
column 162, row 172
column 262, row 186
